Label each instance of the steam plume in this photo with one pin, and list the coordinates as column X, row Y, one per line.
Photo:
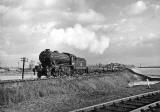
column 80, row 38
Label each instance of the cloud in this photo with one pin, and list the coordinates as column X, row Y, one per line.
column 38, row 4
column 15, row 16
column 43, row 27
column 156, row 6
column 100, row 27
column 127, row 25
column 90, row 16
column 3, row 9
column 36, row 11
column 136, row 8
column 149, row 40
column 77, row 26
column 77, row 37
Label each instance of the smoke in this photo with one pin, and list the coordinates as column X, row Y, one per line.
column 78, row 37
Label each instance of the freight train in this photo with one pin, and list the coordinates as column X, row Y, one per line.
column 56, row 64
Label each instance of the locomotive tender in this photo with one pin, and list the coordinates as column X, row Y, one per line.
column 60, row 64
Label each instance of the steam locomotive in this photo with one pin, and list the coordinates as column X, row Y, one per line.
column 56, row 64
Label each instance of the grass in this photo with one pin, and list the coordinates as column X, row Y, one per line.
column 66, row 92
column 15, row 93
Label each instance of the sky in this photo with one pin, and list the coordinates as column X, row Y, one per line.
column 102, row 31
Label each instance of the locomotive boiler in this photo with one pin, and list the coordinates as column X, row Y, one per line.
column 56, row 64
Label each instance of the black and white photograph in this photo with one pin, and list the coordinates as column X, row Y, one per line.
column 79, row 55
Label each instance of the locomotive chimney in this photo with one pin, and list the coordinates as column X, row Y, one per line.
column 47, row 49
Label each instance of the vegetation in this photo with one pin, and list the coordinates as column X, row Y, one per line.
column 67, row 93
column 15, row 93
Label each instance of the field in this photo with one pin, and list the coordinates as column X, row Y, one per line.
column 61, row 95
column 152, row 72
column 10, row 75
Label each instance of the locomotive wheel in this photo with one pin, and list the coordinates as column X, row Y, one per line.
column 48, row 75
column 56, row 74
column 48, row 72
column 53, row 72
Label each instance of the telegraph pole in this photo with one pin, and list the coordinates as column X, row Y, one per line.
column 24, row 59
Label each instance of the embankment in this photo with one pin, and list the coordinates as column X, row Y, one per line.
column 66, row 93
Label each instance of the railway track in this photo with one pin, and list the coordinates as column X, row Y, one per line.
column 154, row 107
column 147, row 102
